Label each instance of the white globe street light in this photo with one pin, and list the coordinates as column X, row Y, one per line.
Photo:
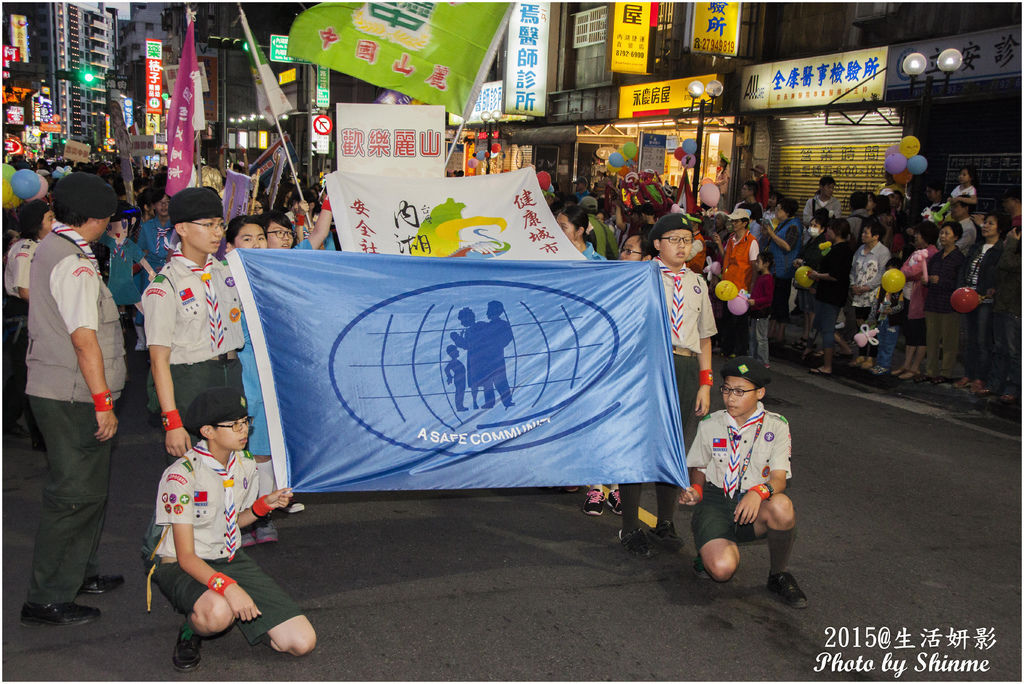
column 915, row 64
column 714, row 87
column 949, row 60
column 695, row 88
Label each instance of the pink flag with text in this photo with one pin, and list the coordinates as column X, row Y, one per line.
column 184, row 118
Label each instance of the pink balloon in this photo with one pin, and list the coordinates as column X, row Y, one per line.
column 44, row 188
column 709, row 194
column 860, row 339
column 689, row 161
column 895, row 163
column 738, row 305
column 715, row 268
column 472, row 163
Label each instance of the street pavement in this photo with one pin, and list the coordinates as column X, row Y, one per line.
column 909, row 517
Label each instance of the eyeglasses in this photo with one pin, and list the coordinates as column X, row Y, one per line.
column 282, row 234
column 675, row 240
column 215, row 227
column 630, row 251
column 240, row 425
column 735, row 391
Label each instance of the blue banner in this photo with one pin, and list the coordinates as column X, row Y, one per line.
column 393, row 372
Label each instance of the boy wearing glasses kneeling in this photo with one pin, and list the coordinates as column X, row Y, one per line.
column 738, row 469
column 193, row 316
column 205, row 498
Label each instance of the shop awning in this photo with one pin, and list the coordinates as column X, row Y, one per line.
column 539, row 135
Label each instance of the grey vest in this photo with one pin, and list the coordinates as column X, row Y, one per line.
column 53, row 371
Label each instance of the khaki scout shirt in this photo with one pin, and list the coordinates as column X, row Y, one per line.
column 710, row 451
column 176, row 312
column 19, row 258
column 698, row 319
column 191, row 493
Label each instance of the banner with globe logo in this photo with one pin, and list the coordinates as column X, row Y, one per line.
column 399, row 373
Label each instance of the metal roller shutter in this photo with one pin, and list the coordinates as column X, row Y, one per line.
column 804, row 148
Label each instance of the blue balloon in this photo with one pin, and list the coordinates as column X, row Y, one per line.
column 25, row 183
column 690, row 146
column 917, row 165
column 57, row 174
column 616, row 160
column 481, row 155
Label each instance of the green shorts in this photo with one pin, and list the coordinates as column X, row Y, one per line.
column 191, row 379
column 713, row 519
column 182, row 590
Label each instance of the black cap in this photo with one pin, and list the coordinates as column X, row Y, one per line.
column 748, row 368
column 214, row 405
column 195, row 203
column 86, row 194
column 669, row 222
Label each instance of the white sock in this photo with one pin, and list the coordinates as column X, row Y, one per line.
column 267, row 483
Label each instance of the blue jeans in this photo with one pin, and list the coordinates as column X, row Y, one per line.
column 825, row 320
column 1004, row 372
column 757, row 341
column 977, row 355
column 887, row 337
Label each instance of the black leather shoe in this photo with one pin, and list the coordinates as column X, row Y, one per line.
column 664, row 533
column 101, row 584
column 57, row 614
column 186, row 652
column 785, row 586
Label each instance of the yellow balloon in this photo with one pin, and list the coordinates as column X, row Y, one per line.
column 893, row 280
column 726, row 290
column 801, row 276
column 910, row 146
column 11, row 201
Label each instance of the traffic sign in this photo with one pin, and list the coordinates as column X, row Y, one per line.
column 322, row 124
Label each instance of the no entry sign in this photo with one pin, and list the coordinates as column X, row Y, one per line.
column 322, row 125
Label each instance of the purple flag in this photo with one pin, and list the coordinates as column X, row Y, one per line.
column 185, row 117
column 236, row 195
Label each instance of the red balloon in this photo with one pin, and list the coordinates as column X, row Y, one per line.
column 495, row 148
column 544, row 180
column 964, row 300
column 679, row 153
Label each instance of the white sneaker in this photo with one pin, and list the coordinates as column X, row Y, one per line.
column 295, row 508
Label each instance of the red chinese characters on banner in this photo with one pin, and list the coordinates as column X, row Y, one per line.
column 439, row 78
column 367, row 50
column 377, row 142
column 523, row 201
column 366, row 243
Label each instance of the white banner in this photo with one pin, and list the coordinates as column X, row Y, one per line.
column 492, row 216
column 391, row 140
column 76, row 151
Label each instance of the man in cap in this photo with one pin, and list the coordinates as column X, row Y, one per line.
column 193, row 316
column 738, row 469
column 581, row 186
column 76, row 370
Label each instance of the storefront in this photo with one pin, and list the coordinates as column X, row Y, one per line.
column 481, row 147
column 820, row 118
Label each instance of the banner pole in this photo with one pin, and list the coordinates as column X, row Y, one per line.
column 284, row 145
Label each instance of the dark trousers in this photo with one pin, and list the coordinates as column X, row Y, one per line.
column 1004, row 374
column 15, row 399
column 74, row 500
column 977, row 354
column 734, row 334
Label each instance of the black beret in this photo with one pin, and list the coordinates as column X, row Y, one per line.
column 214, row 405
column 669, row 222
column 86, row 194
column 195, row 203
column 748, row 368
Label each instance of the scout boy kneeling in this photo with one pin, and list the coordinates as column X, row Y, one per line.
column 206, row 497
column 738, row 468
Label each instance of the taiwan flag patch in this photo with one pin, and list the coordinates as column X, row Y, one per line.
column 719, row 443
column 199, row 497
column 186, row 296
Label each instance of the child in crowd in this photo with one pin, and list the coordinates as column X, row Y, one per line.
column 966, row 191
column 887, row 314
column 732, row 508
column 760, row 306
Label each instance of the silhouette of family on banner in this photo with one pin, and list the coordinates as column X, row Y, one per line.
column 484, row 343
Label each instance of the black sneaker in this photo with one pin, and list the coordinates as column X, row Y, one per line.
column 615, row 502
column 186, row 652
column 698, row 568
column 594, row 503
column 636, row 543
column 785, row 586
column 665, row 535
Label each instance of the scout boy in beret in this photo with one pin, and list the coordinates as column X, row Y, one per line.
column 205, row 498
column 738, row 469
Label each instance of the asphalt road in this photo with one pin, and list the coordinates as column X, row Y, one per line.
column 909, row 517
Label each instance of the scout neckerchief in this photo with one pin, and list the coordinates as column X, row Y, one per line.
column 731, row 482
column 232, row 538
column 70, row 233
column 212, row 309
column 677, row 296
column 161, row 237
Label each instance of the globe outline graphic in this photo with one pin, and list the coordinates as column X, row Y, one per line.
column 527, row 395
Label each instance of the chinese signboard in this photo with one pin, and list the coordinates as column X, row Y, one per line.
column 526, row 64
column 991, row 64
column 387, row 140
column 15, row 115
column 855, row 167
column 656, row 99
column 128, row 107
column 323, row 87
column 815, row 81
column 652, row 152
column 19, row 35
column 500, row 216
column 154, row 77
column 287, row 76
column 630, row 33
column 279, row 50
column 152, row 124
column 76, row 151
column 716, row 28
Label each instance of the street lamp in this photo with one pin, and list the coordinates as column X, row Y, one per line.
column 697, row 89
column 490, row 118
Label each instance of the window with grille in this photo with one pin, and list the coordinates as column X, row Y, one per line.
column 589, row 27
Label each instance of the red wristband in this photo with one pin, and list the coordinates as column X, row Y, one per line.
column 172, row 420
column 103, row 401
column 707, row 377
column 761, row 491
column 700, row 491
column 219, row 582
column 260, row 508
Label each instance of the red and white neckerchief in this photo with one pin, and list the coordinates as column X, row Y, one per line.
column 212, row 309
column 677, row 296
column 731, row 481
column 232, row 535
column 161, row 237
column 72, row 234
column 119, row 250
